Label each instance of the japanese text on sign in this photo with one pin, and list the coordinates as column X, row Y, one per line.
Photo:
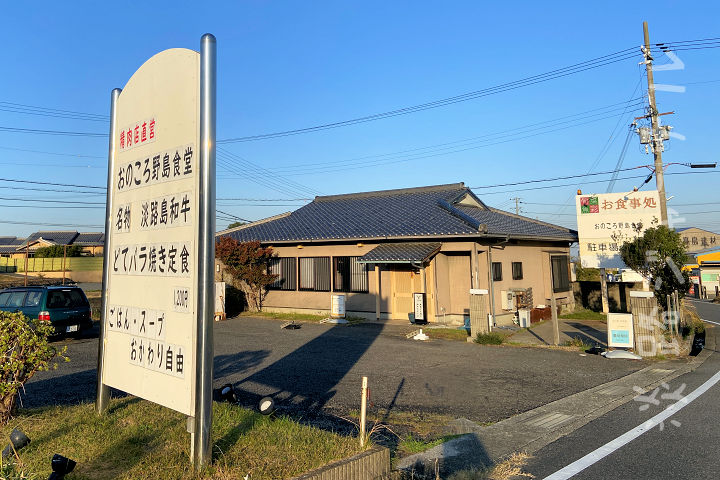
column 173, row 164
column 138, row 133
column 170, row 259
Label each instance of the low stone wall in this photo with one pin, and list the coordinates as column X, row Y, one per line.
column 373, row 464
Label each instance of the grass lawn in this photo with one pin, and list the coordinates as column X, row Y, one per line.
column 584, row 314
column 141, row 440
column 296, row 317
column 447, row 333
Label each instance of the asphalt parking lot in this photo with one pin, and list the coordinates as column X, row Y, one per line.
column 318, row 368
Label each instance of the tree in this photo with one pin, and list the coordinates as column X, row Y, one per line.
column 659, row 255
column 247, row 263
column 236, row 224
column 25, row 350
column 58, row 251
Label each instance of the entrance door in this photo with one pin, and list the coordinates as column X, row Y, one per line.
column 402, row 290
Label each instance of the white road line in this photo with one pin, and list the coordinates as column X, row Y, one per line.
column 610, row 447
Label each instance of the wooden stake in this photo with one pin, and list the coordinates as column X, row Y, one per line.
column 363, row 410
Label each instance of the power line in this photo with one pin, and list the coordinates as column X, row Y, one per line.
column 375, row 163
column 233, row 216
column 52, row 132
column 550, row 75
column 49, row 183
column 45, row 200
column 54, row 111
column 553, row 179
column 54, row 153
column 455, row 146
column 46, row 224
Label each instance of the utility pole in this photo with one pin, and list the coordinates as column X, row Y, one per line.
column 517, row 205
column 656, row 142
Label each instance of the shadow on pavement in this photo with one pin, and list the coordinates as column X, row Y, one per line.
column 588, row 334
column 305, row 379
column 463, row 455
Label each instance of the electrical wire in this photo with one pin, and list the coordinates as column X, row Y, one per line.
column 527, row 81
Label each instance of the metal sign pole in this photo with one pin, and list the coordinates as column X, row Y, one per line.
column 103, row 391
column 201, row 435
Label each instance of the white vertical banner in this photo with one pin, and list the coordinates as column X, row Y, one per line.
column 150, row 311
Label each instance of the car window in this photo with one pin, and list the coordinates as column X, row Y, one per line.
column 33, row 298
column 4, row 298
column 58, row 299
column 78, row 298
column 16, row 299
column 66, row 299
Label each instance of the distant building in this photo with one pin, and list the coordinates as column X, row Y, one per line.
column 92, row 243
column 380, row 248
column 705, row 271
column 696, row 239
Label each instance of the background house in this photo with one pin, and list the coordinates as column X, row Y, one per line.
column 381, row 247
column 92, row 243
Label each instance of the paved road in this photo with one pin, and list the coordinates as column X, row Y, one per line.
column 686, row 447
column 320, row 367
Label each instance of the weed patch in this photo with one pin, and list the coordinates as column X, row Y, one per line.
column 492, row 338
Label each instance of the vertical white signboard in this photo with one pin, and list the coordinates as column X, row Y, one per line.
column 606, row 221
column 150, row 311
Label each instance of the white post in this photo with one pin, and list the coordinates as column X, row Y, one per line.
column 363, row 410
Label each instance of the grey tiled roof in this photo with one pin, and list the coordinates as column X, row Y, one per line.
column 400, row 252
column 59, row 238
column 8, row 240
column 413, row 213
column 89, row 239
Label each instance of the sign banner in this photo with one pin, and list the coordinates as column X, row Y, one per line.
column 606, row 221
column 151, row 308
column 620, row 330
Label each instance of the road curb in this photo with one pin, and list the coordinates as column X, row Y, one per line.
column 479, row 446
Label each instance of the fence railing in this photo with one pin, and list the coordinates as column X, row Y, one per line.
column 77, row 264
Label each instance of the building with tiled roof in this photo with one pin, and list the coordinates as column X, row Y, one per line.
column 92, row 243
column 379, row 248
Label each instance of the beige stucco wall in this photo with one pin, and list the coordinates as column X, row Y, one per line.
column 447, row 279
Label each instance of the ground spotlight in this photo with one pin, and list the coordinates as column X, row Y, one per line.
column 61, row 466
column 266, row 405
column 17, row 441
column 226, row 393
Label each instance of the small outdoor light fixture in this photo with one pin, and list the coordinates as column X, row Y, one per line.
column 266, row 405
column 18, row 440
column 226, row 393
column 299, row 246
column 61, row 466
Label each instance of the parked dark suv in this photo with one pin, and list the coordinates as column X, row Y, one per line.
column 66, row 308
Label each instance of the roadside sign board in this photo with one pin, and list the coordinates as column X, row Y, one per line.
column 150, row 317
column 620, row 330
column 606, row 221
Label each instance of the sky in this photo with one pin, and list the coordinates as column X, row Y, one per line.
column 289, row 65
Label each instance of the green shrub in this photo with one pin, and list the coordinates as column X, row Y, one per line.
column 25, row 350
column 492, row 338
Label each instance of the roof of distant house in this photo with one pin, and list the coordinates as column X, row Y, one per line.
column 413, row 213
column 89, row 239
